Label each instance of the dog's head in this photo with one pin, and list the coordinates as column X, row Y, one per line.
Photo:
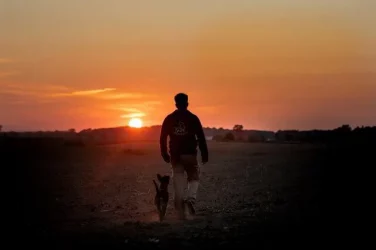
column 164, row 181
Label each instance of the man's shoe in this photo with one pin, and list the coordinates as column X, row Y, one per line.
column 191, row 209
column 180, row 210
column 181, row 215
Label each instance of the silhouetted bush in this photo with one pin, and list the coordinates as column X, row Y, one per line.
column 343, row 134
column 218, row 138
column 256, row 138
column 229, row 137
column 238, row 127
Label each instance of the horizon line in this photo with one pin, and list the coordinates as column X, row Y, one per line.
column 159, row 125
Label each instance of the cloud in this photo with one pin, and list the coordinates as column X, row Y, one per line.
column 85, row 92
column 8, row 73
column 34, row 87
column 148, row 105
column 19, row 92
column 30, row 90
column 101, row 94
column 134, row 109
column 132, row 115
column 5, row 60
column 122, row 96
column 16, row 91
column 130, row 110
column 50, row 92
column 92, row 91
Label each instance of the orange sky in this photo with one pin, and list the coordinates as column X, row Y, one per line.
column 264, row 64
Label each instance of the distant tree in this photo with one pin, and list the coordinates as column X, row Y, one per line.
column 357, row 129
column 86, row 130
column 256, row 138
column 1, row 127
column 344, row 128
column 279, row 135
column 238, row 128
column 217, row 138
column 72, row 130
column 229, row 137
column 289, row 137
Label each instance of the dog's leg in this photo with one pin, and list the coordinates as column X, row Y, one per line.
column 159, row 177
column 157, row 199
column 156, row 186
column 164, row 202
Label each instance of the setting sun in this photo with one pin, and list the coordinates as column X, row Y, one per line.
column 135, row 123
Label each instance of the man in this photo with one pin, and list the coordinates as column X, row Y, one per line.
column 185, row 132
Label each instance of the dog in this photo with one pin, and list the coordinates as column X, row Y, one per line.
column 162, row 195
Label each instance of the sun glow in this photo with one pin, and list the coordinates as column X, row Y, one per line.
column 135, row 123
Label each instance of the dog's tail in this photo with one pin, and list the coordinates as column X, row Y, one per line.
column 156, row 186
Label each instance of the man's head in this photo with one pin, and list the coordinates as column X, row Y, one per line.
column 181, row 101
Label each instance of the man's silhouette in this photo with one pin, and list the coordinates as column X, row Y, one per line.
column 185, row 132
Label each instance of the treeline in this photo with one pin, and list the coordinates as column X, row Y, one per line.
column 116, row 135
column 104, row 136
column 341, row 134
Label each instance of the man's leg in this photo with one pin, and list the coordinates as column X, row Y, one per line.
column 193, row 172
column 179, row 183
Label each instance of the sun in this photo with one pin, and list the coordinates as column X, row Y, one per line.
column 135, row 123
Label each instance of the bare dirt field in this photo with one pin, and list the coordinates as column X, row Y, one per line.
column 259, row 195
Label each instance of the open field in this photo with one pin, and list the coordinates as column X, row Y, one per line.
column 261, row 194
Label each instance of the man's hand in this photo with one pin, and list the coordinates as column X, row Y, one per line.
column 166, row 157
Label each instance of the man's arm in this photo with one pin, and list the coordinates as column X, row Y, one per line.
column 201, row 141
column 163, row 141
